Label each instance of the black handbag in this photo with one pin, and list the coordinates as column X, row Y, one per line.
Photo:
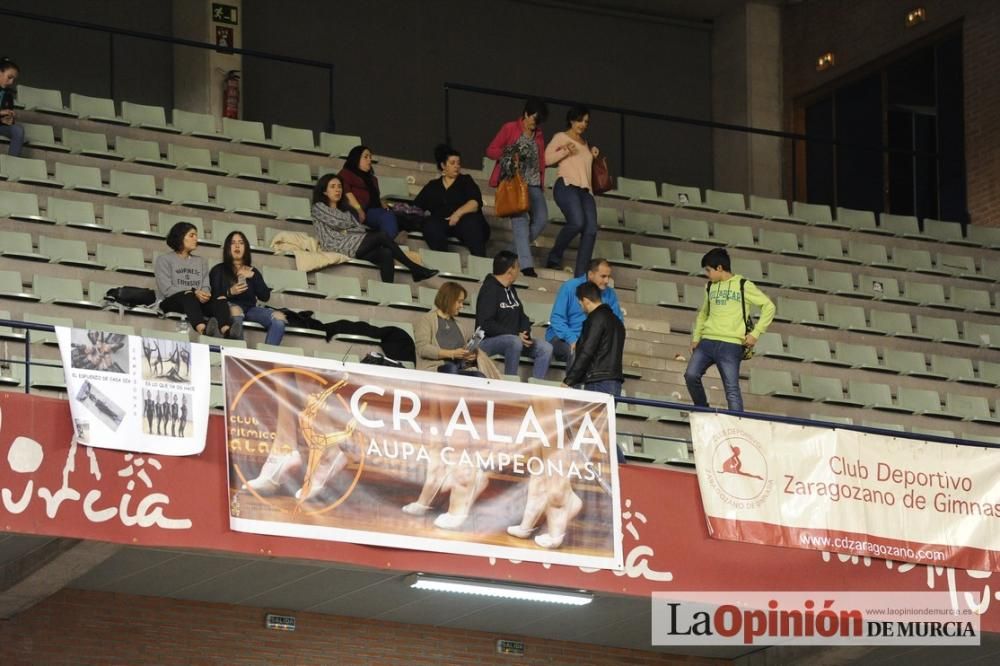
column 130, row 297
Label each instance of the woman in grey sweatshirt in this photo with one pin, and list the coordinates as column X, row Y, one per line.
column 182, row 284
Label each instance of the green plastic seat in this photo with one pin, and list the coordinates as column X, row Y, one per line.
column 695, row 231
column 788, row 276
column 900, row 225
column 813, row 350
column 61, row 291
column 656, row 292
column 800, row 312
column 290, row 173
column 72, row 252
column 910, row 363
column 197, row 124
column 241, row 201
column 74, row 213
column 772, row 209
column 141, row 151
column 882, row 288
column 393, row 295
column 873, row 396
column 989, row 372
column 192, row 158
column 26, row 170
column 848, row 317
column 99, row 109
column 910, row 259
column 780, row 242
column 822, row 389
column 858, row 220
column 394, row 188
column 43, row 100
column 345, row 288
column 922, row 401
column 42, row 136
column 815, row 214
column 295, row 139
column 939, row 329
column 247, row 167
column 972, row 300
column 929, row 294
column 631, row 188
column 221, row 228
column 751, row 269
column 870, row 254
column 731, row 203
column 291, row 208
column 92, row 144
column 18, row 245
column 123, row 259
column 834, row 282
column 653, row 258
column 981, row 335
column 770, row 345
column 138, row 186
column 650, row 224
column 984, row 236
column 287, row 281
column 448, row 263
column 823, row 247
column 863, row 357
column 82, row 178
column 776, row 383
column 958, row 265
column 896, row 324
column 945, row 231
column 478, row 267
column 689, row 263
column 956, row 369
column 12, row 287
column 338, row 145
column 732, row 235
column 147, row 116
column 46, row 337
column 250, row 132
column 191, row 193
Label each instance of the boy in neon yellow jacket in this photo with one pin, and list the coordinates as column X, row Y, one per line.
column 720, row 332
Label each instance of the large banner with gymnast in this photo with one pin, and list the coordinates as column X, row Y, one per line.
column 145, row 395
column 326, row 450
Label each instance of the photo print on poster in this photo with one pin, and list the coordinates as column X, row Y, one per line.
column 100, row 405
column 99, row 350
column 166, row 360
column 167, row 413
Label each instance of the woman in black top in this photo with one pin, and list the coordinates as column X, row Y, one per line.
column 455, row 205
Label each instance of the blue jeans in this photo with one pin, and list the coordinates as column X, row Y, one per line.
column 510, row 346
column 611, row 387
column 382, row 219
column 452, row 368
column 16, row 135
column 525, row 231
column 266, row 318
column 580, row 210
column 727, row 356
column 562, row 352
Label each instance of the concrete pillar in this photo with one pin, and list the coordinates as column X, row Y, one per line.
column 746, row 90
column 198, row 73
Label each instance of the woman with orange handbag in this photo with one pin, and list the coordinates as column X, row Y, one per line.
column 524, row 137
column 573, row 190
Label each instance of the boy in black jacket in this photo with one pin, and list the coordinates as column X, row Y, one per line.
column 501, row 316
column 598, row 360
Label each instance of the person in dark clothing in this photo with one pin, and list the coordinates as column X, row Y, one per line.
column 159, row 413
column 242, row 285
column 598, row 360
column 8, row 80
column 362, row 193
column 597, row 363
column 501, row 316
column 182, row 283
column 174, row 413
column 184, row 418
column 455, row 205
column 337, row 230
column 149, row 410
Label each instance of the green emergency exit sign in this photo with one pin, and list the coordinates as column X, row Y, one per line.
column 225, row 14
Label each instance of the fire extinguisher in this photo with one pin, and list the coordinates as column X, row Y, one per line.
column 231, row 94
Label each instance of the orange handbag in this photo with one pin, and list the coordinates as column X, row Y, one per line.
column 512, row 195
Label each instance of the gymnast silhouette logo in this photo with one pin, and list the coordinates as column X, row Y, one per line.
column 739, row 470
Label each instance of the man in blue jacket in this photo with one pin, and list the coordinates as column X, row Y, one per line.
column 566, row 320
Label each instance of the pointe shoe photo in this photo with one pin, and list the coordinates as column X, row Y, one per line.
column 448, row 521
column 520, row 532
column 416, row 508
column 276, row 472
column 549, row 541
column 322, row 475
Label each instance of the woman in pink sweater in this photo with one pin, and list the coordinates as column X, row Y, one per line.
column 524, row 136
column 573, row 191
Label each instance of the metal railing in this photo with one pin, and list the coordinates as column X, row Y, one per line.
column 177, row 41
column 641, row 402
column 625, row 113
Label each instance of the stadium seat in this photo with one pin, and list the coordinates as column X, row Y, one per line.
column 801, row 312
column 939, row 329
column 946, row 232
column 770, row 345
column 250, row 132
column 790, row 277
column 338, row 145
column 11, row 287
column 62, row 291
column 18, row 245
column 958, row 265
column 295, row 139
column 83, row 179
column 201, row 125
column 895, row 324
column 873, row 396
column 813, row 350
column 71, row 252
column 138, row 186
column 751, row 269
column 141, row 151
column 984, row 236
column 909, row 363
column 776, row 383
column 772, row 209
column 972, row 300
column 194, row 159
column 730, row 203
column 869, row 254
column 683, row 196
column 815, row 214
column 42, row 136
column 290, row 173
column 91, row 144
column 191, row 193
column 969, row 408
column 824, row 389
column 394, row 188
column 825, row 248
column 929, row 294
column 147, row 117
column 882, row 288
column 291, row 208
column 247, row 167
column 241, row 201
column 858, row 220
column 862, row 357
column 654, row 258
column 957, row 369
column 689, row 262
column 848, row 317
column 221, row 228
column 121, row 329
column 922, row 401
column 981, row 335
column 614, row 252
column 694, row 231
column 735, row 236
column 780, row 242
column 989, row 371
column 631, row 188
column 287, row 281
column 393, row 295
column 99, row 109
column 650, row 224
column 835, row 282
column 74, row 214
column 123, row 259
column 26, row 170
column 900, row 225
column 43, row 101
column 448, row 263
column 909, row 259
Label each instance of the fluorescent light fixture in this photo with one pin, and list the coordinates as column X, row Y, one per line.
column 499, row 590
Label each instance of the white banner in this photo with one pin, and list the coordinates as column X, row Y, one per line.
column 849, row 492
column 138, row 394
